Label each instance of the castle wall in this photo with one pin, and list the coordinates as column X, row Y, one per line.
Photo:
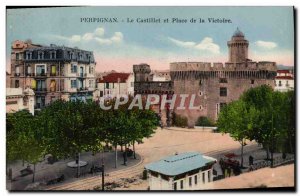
column 205, row 80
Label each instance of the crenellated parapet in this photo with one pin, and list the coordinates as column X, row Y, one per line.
column 202, row 70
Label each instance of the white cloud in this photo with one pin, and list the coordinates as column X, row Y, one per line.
column 265, row 44
column 97, row 35
column 206, row 44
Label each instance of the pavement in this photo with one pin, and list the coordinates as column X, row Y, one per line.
column 46, row 171
column 165, row 142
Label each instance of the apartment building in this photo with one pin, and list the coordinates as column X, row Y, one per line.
column 53, row 72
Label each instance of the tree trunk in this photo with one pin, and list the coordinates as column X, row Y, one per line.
column 268, row 154
column 133, row 150
column 78, row 165
column 33, row 174
column 116, row 153
column 121, row 147
column 242, row 154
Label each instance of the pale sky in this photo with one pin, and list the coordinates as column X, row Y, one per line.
column 118, row 46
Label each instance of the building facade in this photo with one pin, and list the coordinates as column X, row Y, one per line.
column 284, row 81
column 115, row 84
column 186, row 171
column 18, row 99
column 53, row 72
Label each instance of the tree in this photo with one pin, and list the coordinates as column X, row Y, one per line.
column 23, row 139
column 72, row 126
column 238, row 120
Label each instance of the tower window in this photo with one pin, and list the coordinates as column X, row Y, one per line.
column 252, row 81
column 17, row 84
column 223, row 92
column 223, row 80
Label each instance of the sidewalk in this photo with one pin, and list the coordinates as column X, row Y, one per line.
column 46, row 171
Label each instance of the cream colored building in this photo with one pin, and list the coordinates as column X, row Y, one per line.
column 114, row 84
column 186, row 171
column 17, row 99
column 284, row 81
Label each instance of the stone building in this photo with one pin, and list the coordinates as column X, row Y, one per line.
column 214, row 84
column 144, row 85
column 53, row 72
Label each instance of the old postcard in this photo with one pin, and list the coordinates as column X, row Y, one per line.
column 150, row 99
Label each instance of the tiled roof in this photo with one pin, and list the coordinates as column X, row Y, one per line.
column 283, row 71
column 180, row 164
column 284, row 78
column 114, row 78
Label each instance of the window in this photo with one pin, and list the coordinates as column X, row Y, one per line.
column 106, row 85
column 181, row 184
column 17, row 70
column 73, row 84
column 92, row 70
column 28, row 55
column 223, row 80
column 29, row 70
column 53, row 86
column 208, row 175
column 52, row 55
column 190, row 181
column 200, row 93
column 195, row 179
column 279, row 83
column 41, row 85
column 252, row 81
column 200, row 82
column 40, row 55
column 222, row 105
column 91, row 83
column 17, row 56
column 17, row 84
column 73, row 68
column 203, row 177
column 40, row 70
column 287, row 83
column 40, row 102
column 101, row 93
column 175, row 186
column 223, row 92
column 53, row 70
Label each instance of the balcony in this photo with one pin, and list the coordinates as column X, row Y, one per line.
column 40, row 74
column 29, row 74
column 41, row 89
column 81, row 75
column 82, row 89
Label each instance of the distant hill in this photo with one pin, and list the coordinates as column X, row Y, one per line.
column 284, row 67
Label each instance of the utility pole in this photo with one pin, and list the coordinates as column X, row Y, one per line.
column 102, row 171
column 272, row 147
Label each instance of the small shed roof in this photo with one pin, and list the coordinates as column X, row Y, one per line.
column 179, row 164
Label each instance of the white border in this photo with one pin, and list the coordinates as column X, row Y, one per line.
column 5, row 3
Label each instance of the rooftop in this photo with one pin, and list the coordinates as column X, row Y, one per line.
column 238, row 33
column 114, row 78
column 179, row 164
